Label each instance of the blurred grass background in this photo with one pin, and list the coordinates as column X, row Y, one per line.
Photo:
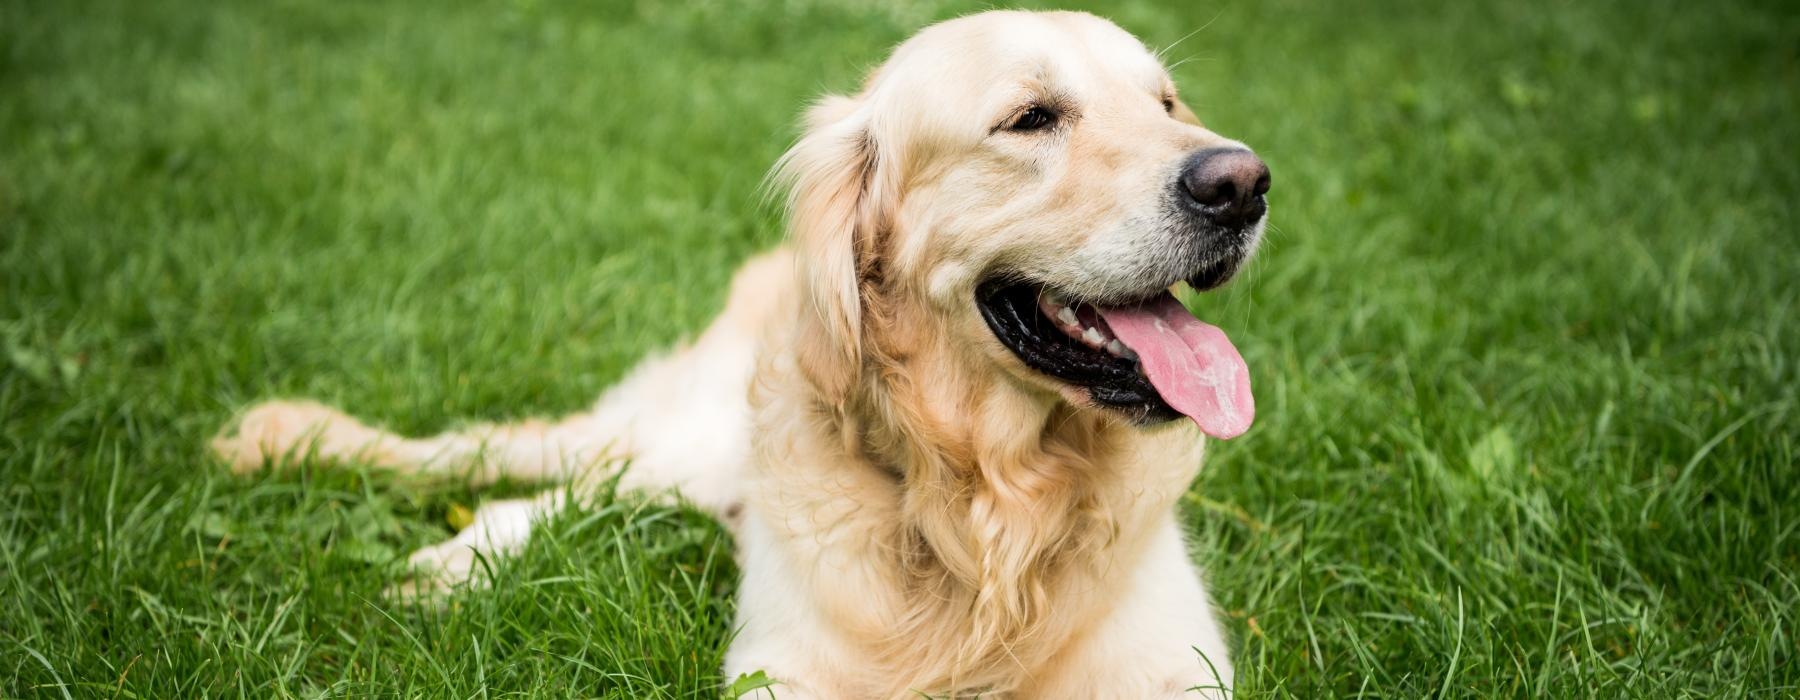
column 1524, row 337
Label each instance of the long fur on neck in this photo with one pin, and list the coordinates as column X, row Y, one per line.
column 1002, row 506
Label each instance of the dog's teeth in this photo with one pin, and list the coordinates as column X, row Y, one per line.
column 1116, row 348
column 1093, row 337
column 1067, row 316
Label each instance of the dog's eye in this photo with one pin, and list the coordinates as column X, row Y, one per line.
column 1169, row 105
column 1034, row 119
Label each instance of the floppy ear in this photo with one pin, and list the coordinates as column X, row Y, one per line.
column 832, row 217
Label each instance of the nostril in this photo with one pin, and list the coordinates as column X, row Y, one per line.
column 1262, row 184
column 1220, row 193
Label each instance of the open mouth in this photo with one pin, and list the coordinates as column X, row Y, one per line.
column 1149, row 359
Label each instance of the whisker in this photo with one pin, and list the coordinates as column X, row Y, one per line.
column 1164, row 50
column 1187, row 60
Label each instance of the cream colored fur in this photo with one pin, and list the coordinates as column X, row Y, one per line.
column 916, row 511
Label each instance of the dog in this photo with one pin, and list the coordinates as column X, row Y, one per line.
column 949, row 420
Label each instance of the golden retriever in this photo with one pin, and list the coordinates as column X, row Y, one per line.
column 939, row 420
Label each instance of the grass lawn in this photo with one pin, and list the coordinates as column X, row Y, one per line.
column 1525, row 338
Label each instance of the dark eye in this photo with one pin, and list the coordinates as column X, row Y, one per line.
column 1034, row 119
column 1169, row 105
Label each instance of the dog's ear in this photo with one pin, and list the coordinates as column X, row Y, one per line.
column 834, row 212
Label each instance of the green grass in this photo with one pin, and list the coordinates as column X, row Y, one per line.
column 1525, row 339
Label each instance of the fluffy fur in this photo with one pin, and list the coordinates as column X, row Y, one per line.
column 916, row 511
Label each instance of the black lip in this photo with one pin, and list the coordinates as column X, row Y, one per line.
column 1011, row 312
column 1214, row 275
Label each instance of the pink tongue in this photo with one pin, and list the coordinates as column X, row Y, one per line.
column 1192, row 365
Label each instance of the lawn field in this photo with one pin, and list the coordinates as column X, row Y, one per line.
column 1525, row 335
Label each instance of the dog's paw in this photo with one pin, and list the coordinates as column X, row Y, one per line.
column 437, row 572
column 499, row 529
column 428, row 588
column 450, row 562
column 278, row 432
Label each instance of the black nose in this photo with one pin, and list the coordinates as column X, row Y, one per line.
column 1226, row 185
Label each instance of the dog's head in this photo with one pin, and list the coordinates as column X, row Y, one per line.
column 1032, row 184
